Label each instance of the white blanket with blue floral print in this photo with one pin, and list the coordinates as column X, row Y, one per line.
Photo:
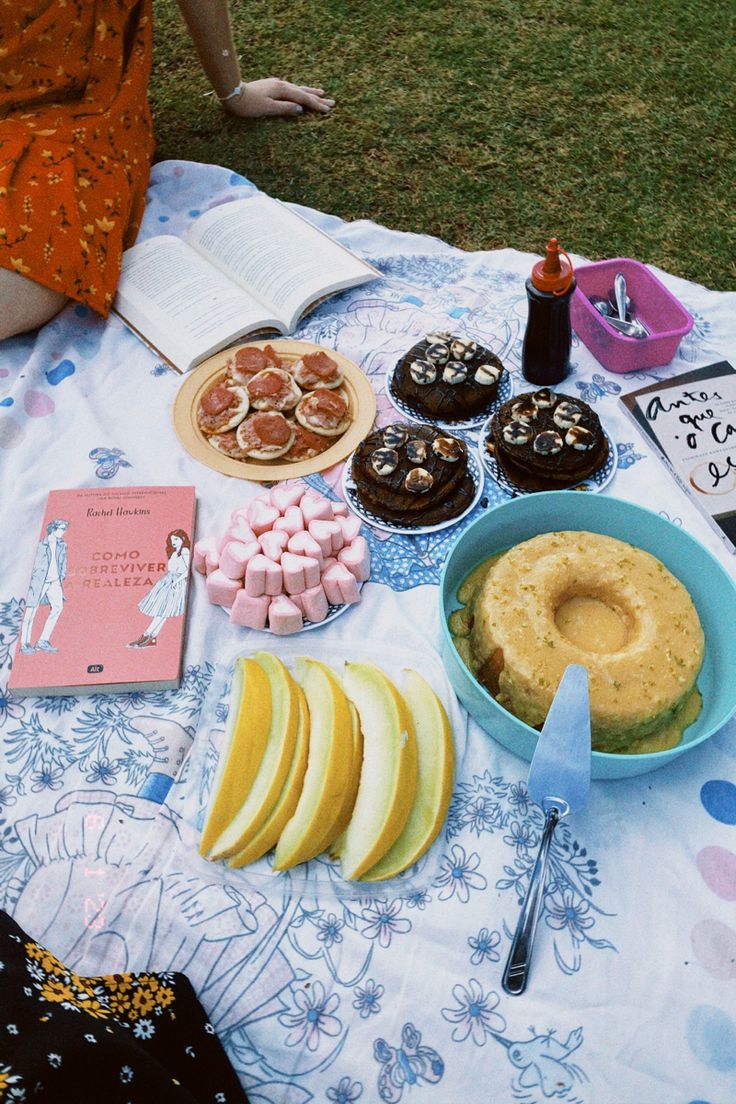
column 385, row 998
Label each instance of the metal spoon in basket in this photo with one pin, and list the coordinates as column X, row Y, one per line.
column 559, row 781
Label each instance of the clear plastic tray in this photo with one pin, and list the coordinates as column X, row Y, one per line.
column 320, row 874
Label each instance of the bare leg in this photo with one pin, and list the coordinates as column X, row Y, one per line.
column 25, row 305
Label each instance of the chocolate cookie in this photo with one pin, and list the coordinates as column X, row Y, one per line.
column 412, row 474
column 447, row 378
column 547, row 441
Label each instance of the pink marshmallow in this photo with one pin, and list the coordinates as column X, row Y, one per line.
column 221, row 591
column 328, row 535
column 282, row 497
column 212, row 562
column 240, row 530
column 284, row 616
column 203, row 547
column 235, row 557
column 292, row 522
column 357, row 559
column 341, row 587
column 304, row 544
column 350, row 527
column 328, row 563
column 249, row 611
column 340, row 509
column 313, row 603
column 273, row 544
column 262, row 576
column 261, row 516
column 300, row 572
column 315, row 507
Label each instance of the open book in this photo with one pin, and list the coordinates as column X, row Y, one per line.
column 247, row 267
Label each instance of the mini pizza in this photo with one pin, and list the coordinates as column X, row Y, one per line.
column 227, row 444
column 324, row 412
column 306, row 444
column 317, row 370
column 222, row 407
column 265, row 435
column 273, row 389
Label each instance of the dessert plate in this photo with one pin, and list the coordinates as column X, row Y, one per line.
column 332, row 613
column 595, row 482
column 359, row 393
column 504, row 393
column 351, row 497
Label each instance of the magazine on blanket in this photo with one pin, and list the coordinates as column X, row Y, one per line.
column 691, row 421
column 107, row 597
column 247, row 267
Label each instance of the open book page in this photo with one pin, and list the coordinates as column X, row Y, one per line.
column 186, row 309
column 276, row 254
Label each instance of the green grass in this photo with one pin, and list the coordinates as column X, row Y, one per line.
column 489, row 123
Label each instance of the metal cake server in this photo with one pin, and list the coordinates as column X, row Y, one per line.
column 559, row 781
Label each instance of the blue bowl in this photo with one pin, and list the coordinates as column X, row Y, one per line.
column 710, row 587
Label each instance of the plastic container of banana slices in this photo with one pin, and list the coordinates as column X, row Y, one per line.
column 320, row 877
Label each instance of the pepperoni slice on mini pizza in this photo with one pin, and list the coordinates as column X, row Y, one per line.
column 324, row 412
column 265, row 435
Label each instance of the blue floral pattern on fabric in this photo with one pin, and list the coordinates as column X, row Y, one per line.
column 433, row 270
column 474, row 1013
column 108, row 462
column 627, row 454
column 312, row 1022
column 347, row 1092
column 410, row 1064
column 493, row 805
column 597, row 388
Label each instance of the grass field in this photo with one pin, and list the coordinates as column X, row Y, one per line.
column 489, row 123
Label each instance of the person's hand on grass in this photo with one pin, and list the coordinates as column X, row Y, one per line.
column 271, row 96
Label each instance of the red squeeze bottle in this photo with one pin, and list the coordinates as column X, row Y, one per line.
column 545, row 354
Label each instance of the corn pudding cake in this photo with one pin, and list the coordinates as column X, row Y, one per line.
column 580, row 597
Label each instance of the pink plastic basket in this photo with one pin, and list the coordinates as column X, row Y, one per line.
column 654, row 305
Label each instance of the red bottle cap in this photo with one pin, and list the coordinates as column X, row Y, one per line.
column 554, row 273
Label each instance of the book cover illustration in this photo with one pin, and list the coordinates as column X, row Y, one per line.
column 107, row 596
column 691, row 420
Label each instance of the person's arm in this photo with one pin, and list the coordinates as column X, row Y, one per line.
column 209, row 25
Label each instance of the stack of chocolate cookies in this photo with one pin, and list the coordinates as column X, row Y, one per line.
column 546, row 441
column 449, row 378
column 412, row 475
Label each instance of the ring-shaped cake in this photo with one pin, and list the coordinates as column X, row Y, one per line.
column 580, row 597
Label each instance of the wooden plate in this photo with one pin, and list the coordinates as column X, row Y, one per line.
column 358, row 391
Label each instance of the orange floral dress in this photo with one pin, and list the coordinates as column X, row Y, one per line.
column 76, row 140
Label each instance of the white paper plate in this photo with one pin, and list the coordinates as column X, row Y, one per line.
column 595, row 482
column 504, row 393
column 351, row 497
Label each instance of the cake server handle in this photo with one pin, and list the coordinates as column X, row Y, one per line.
column 520, row 955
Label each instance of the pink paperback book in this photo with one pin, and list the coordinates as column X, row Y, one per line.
column 107, row 595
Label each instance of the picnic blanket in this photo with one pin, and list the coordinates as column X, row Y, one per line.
column 393, row 996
